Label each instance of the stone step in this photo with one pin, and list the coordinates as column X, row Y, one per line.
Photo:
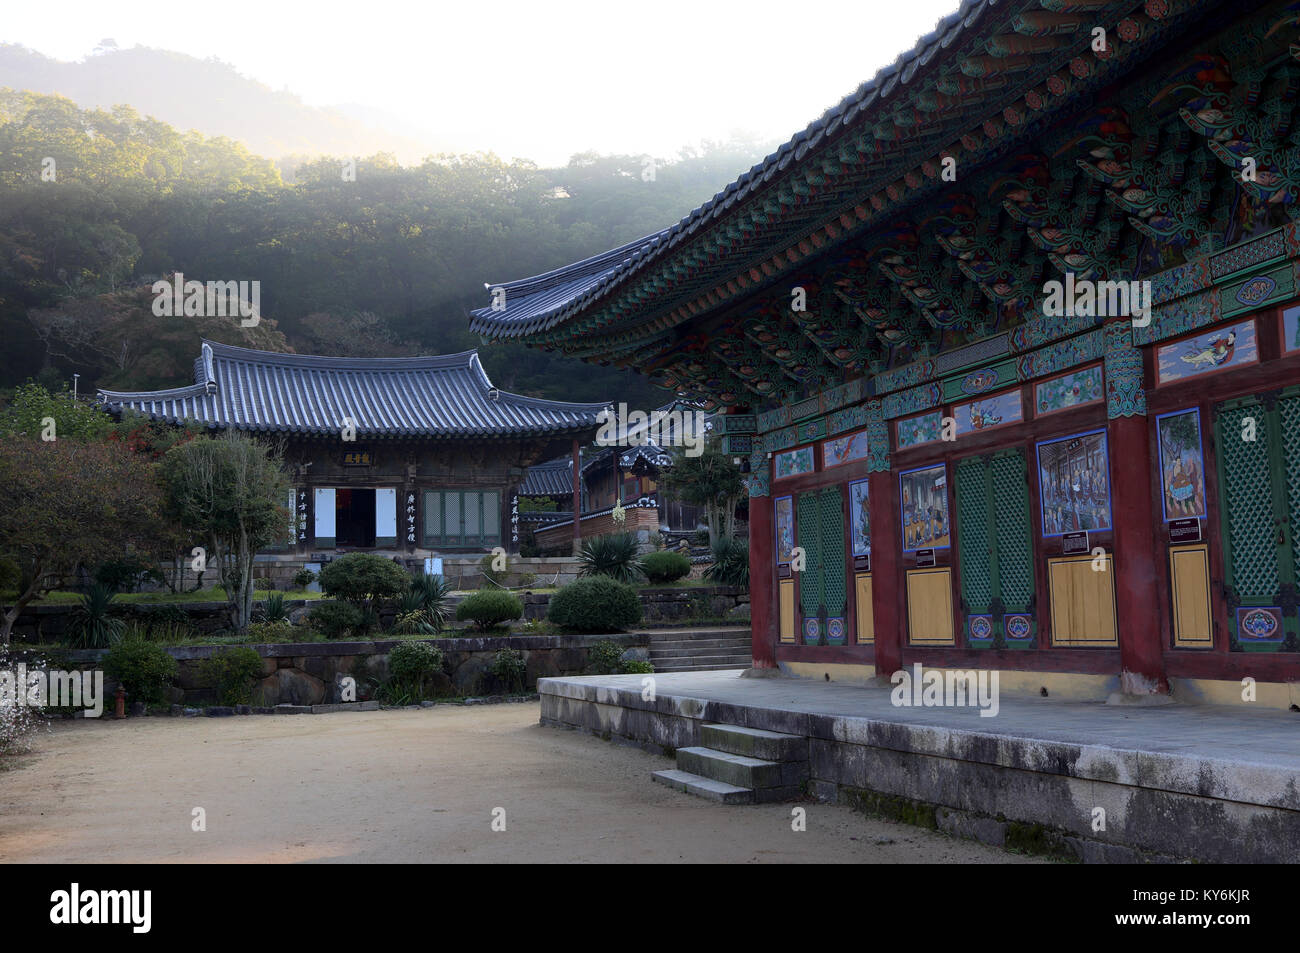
column 704, row 787
column 733, row 661
column 677, row 635
column 741, row 770
column 694, row 667
column 755, row 742
column 726, row 648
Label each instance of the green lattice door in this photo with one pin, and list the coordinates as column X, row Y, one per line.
column 995, row 551
column 1257, row 442
column 822, row 586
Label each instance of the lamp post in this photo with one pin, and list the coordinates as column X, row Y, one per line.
column 75, row 378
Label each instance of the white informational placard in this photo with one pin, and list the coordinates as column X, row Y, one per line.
column 433, row 565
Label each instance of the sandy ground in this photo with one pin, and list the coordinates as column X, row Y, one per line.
column 399, row 786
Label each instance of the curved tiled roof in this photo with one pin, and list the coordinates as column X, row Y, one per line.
column 550, row 478
column 531, row 308
column 445, row 395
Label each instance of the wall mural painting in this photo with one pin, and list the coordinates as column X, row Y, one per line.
column 844, row 449
column 988, row 412
column 1074, row 484
column 784, row 529
column 924, row 495
column 913, row 431
column 1182, row 466
column 1291, row 329
column 794, row 462
column 1069, row 390
column 1214, row 350
column 860, row 518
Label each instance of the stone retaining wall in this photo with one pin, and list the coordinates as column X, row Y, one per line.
column 311, row 673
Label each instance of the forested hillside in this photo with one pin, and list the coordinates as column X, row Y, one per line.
column 388, row 263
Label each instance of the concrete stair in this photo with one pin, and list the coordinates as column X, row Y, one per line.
column 700, row 651
column 738, row 765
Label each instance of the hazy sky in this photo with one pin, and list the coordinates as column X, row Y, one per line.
column 535, row 80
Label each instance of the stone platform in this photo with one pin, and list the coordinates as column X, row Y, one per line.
column 1079, row 780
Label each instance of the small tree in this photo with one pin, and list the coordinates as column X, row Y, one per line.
column 710, row 480
column 65, row 502
column 228, row 492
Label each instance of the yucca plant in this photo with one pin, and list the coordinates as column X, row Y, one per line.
column 433, row 592
column 413, row 622
column 92, row 625
column 273, row 610
column 614, row 555
column 730, row 563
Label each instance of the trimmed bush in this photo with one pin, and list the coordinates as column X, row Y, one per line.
column 510, row 669
column 490, row 607
column 232, row 672
column 143, row 668
column 604, row 658
column 595, row 604
column 614, row 555
column 303, row 578
column 631, row 667
column 665, row 566
column 281, row 630
column 337, row 620
column 363, row 579
column 411, row 667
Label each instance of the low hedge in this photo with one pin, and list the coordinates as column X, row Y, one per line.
column 489, row 607
column 665, row 566
column 595, row 604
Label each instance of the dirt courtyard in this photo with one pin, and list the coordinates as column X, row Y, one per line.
column 399, row 786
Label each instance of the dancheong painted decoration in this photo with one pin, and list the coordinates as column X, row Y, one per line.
column 1118, row 502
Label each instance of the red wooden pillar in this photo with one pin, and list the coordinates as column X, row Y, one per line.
column 577, row 498
column 1136, row 602
column 886, row 547
column 762, row 569
column 886, row 573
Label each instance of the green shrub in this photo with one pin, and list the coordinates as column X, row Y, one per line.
column 303, row 578
column 337, row 620
column 280, row 630
column 363, row 579
column 730, row 563
column 490, row 607
column 595, row 604
column 413, row 622
column 232, row 672
column 126, row 574
column 411, row 667
column 263, row 584
column 604, row 658
column 633, row 667
column 614, row 556
column 510, row 669
column 665, row 566
column 144, row 669
column 92, row 627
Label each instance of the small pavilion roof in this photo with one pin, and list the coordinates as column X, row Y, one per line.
column 445, row 395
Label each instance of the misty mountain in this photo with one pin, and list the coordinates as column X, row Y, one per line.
column 211, row 97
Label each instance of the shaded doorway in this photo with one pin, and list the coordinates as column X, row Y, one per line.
column 354, row 517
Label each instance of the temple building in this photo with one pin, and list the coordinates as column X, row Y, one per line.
column 408, row 456
column 1011, row 339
